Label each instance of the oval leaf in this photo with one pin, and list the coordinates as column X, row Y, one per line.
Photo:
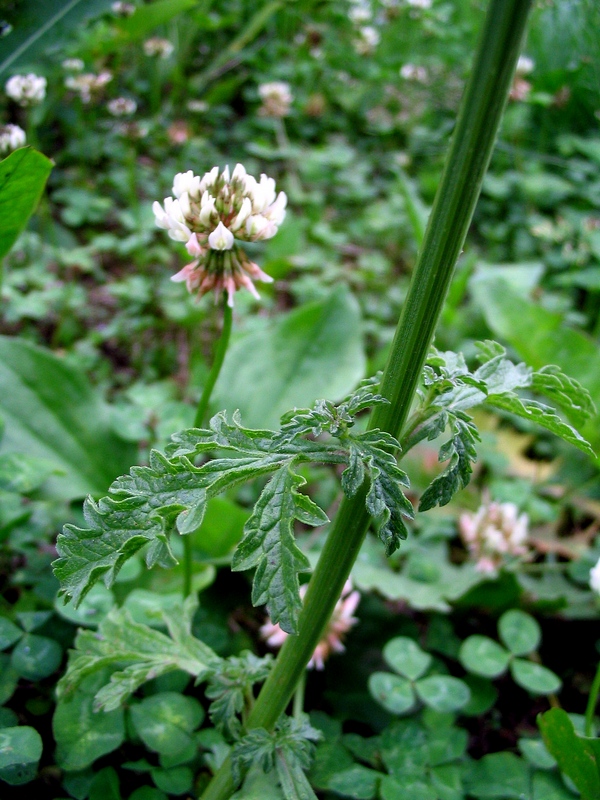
column 534, row 677
column 406, row 657
column 35, row 657
column 165, row 721
column 393, row 692
column 20, row 751
column 443, row 692
column 483, row 656
column 520, row 632
column 23, row 176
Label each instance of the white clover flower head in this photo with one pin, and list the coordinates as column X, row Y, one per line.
column 424, row 4
column 360, row 13
column 368, row 39
column 525, row 65
column 26, row 90
column 595, row 578
column 73, row 65
column 122, row 107
column 123, row 9
column 209, row 214
column 495, row 533
column 87, row 84
column 156, row 46
column 342, row 620
column 11, row 137
column 276, row 99
column 413, row 72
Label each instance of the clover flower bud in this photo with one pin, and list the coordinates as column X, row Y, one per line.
column 209, row 214
column 73, row 65
column 88, row 84
column 26, row 90
column 413, row 72
column 342, row 620
column 368, row 39
column 11, row 137
column 495, row 533
column 525, row 65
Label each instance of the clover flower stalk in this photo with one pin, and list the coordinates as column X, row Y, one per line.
column 209, row 214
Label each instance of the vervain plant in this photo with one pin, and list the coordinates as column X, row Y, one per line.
column 167, row 498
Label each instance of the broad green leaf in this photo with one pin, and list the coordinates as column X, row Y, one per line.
column 36, row 657
column 269, row 545
column 443, row 692
column 82, row 735
column 534, row 677
column 91, row 611
column 258, row 786
column 22, row 473
column 409, row 788
column 23, row 175
column 315, row 351
column 105, row 785
column 136, row 654
column 572, row 752
column 174, row 781
column 548, row 786
column 166, row 721
column 406, row 657
column 20, row 751
column 9, row 678
column 52, row 412
column 536, row 752
column 149, row 17
column 394, row 693
column 483, row 656
column 499, row 775
column 519, row 631
column 446, row 745
column 42, row 24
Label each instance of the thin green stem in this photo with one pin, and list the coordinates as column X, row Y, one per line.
column 469, row 155
column 187, row 566
column 591, row 704
column 219, row 357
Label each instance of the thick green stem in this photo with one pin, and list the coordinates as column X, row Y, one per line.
column 469, row 155
column 591, row 704
column 219, row 357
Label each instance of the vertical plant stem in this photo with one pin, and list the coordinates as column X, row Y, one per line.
column 470, row 151
column 299, row 697
column 591, row 704
column 200, row 419
column 219, row 356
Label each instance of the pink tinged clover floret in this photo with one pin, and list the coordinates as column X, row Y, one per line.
column 211, row 214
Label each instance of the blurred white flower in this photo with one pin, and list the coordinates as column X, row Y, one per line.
column 26, row 90
column 413, row 72
column 88, row 83
column 525, row 65
column 158, row 47
column 73, row 64
column 11, row 137
column 276, row 99
column 368, row 39
column 360, row 13
column 494, row 533
column 197, row 106
column 595, row 578
column 123, row 9
column 340, row 623
column 122, row 107
column 425, row 4
column 209, row 214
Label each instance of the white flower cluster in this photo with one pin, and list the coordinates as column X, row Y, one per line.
column 209, row 214
column 276, row 99
column 73, row 65
column 424, row 4
column 26, row 90
column 158, row 47
column 367, row 37
column 88, row 83
column 122, row 107
column 525, row 65
column 11, row 137
column 493, row 534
